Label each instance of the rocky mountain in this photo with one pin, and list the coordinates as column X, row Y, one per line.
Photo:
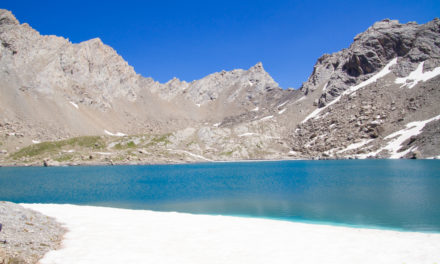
column 80, row 103
column 373, row 97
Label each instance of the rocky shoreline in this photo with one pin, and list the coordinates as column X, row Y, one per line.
column 51, row 163
column 29, row 235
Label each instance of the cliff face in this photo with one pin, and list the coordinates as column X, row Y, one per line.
column 353, row 104
column 371, row 51
column 386, row 80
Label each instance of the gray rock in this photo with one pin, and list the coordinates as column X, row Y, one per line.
column 371, row 51
column 58, row 90
column 28, row 234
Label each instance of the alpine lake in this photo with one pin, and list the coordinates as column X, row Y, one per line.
column 387, row 194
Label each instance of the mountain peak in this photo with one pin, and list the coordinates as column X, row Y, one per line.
column 7, row 18
column 257, row 67
column 385, row 23
column 92, row 41
column 350, row 106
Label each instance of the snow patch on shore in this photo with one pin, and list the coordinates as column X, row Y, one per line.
column 110, row 235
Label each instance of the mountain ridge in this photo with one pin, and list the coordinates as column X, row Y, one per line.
column 55, row 90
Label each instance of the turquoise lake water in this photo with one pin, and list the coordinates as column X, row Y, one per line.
column 394, row 194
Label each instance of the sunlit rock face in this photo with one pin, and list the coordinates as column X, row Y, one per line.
column 53, row 89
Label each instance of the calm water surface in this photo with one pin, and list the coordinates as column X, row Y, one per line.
column 397, row 194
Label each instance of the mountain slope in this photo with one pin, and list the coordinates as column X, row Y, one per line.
column 388, row 78
column 351, row 105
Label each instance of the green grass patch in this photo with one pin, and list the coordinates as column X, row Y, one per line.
column 120, row 145
column 159, row 139
column 191, row 143
column 49, row 147
column 228, row 153
column 131, row 144
column 64, row 157
column 93, row 142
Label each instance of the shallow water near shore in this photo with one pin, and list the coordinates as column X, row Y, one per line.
column 391, row 194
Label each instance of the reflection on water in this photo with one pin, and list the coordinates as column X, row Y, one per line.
column 400, row 194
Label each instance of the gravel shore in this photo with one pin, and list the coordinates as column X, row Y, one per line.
column 28, row 234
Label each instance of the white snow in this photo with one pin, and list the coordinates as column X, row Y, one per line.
column 74, row 105
column 255, row 109
column 417, row 76
column 248, row 134
column 281, row 105
column 190, row 153
column 266, row 118
column 109, row 235
column 325, row 87
column 217, row 124
column 35, row 141
column 356, row 145
column 119, row 134
column 300, row 99
column 282, row 111
column 315, row 113
column 352, row 89
column 398, row 137
column 373, row 79
column 198, row 105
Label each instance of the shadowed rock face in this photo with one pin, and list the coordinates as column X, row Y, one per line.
column 53, row 89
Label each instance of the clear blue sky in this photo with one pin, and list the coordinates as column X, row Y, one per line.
column 191, row 39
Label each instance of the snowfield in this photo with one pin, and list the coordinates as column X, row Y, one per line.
column 109, row 235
